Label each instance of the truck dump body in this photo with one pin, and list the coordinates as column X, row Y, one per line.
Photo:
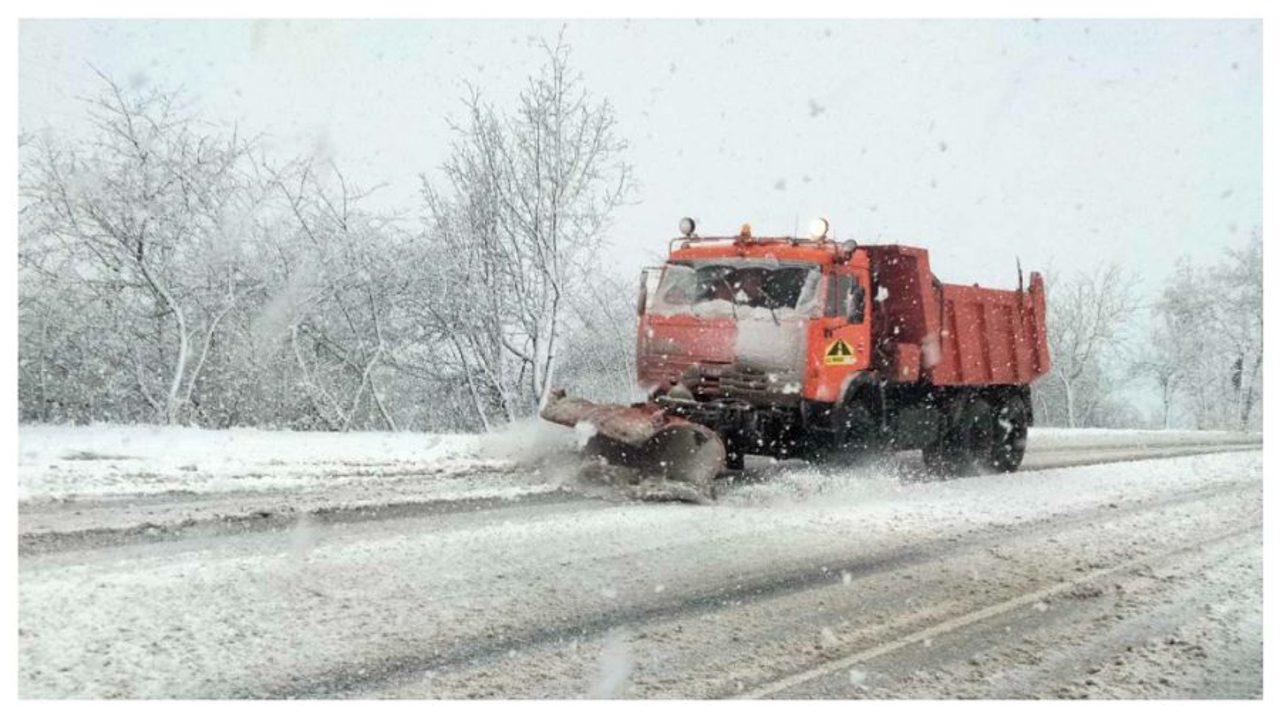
column 952, row 334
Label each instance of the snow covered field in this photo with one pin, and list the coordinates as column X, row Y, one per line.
column 67, row 461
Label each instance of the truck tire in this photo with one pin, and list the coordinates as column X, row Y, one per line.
column 854, row 438
column 966, row 443
column 861, row 430
column 734, row 460
column 933, row 456
column 978, row 431
column 1011, row 422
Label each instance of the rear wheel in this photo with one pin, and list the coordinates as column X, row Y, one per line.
column 966, row 443
column 934, row 458
column 1010, row 430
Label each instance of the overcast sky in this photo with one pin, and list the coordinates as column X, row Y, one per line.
column 1063, row 142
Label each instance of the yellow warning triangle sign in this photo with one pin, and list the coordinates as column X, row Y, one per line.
column 839, row 353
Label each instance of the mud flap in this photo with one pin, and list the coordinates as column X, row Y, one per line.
column 676, row 459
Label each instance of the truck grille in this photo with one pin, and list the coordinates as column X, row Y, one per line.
column 780, row 387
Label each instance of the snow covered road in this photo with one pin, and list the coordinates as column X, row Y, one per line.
column 1132, row 578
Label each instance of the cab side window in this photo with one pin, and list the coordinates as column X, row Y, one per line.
column 837, row 295
column 846, row 298
column 857, row 302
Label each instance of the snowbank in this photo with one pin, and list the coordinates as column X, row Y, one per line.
column 1056, row 437
column 59, row 461
column 63, row 461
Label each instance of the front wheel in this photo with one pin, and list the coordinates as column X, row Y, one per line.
column 734, row 460
column 855, row 437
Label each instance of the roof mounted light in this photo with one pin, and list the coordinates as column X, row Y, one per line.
column 818, row 228
column 687, row 225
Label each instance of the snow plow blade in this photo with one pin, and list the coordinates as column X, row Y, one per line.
column 677, row 459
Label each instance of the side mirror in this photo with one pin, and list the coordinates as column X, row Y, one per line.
column 642, row 295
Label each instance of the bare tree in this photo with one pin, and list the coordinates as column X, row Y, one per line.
column 341, row 273
column 148, row 212
column 600, row 346
column 465, row 305
column 1158, row 361
column 1239, row 284
column 1213, row 315
column 1087, row 316
column 171, row 271
column 535, row 188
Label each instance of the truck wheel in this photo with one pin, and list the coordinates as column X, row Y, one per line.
column 856, row 437
column 1010, row 430
column 933, row 456
column 978, row 429
column 861, row 430
column 948, row 456
column 734, row 460
column 966, row 444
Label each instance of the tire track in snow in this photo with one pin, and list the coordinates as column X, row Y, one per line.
column 957, row 623
column 43, row 542
column 277, row 518
column 368, row 677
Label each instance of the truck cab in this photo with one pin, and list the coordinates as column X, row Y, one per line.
column 750, row 335
column 798, row 315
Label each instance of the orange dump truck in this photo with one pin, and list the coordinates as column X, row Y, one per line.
column 820, row 349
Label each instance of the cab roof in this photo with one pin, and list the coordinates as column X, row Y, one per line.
column 822, row 251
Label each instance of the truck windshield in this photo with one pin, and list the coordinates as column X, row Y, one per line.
column 734, row 287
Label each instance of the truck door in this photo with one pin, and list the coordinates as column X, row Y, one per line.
column 841, row 341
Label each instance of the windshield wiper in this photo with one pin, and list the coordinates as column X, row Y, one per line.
column 769, row 304
column 733, row 300
column 774, row 313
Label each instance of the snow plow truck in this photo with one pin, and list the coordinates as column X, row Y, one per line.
column 818, row 349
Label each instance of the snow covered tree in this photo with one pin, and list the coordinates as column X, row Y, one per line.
column 340, row 271
column 145, row 216
column 531, row 192
column 599, row 349
column 171, row 271
column 1087, row 317
column 1159, row 361
column 1213, row 316
column 1239, row 323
